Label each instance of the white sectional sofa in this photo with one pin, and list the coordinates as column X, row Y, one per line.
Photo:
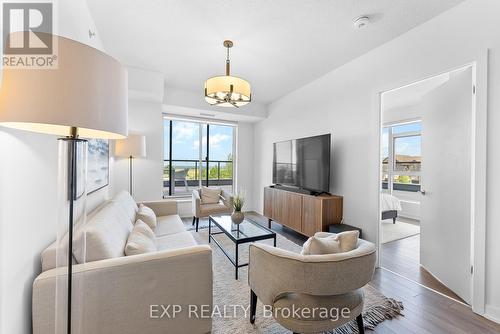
column 114, row 293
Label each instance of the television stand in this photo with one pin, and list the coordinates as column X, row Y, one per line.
column 304, row 213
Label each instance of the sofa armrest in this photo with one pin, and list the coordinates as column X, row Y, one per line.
column 164, row 207
column 126, row 295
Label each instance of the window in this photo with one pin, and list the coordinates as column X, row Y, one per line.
column 407, row 155
column 401, row 156
column 195, row 154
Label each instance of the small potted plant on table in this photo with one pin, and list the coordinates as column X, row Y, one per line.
column 238, row 216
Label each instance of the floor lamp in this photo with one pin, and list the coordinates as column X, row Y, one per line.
column 84, row 97
column 134, row 146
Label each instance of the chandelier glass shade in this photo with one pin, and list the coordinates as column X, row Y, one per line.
column 227, row 90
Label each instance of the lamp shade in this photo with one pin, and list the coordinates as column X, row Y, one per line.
column 87, row 91
column 132, row 146
column 225, row 87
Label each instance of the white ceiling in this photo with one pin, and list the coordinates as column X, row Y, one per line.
column 280, row 45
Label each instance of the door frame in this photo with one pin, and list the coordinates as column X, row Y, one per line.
column 479, row 65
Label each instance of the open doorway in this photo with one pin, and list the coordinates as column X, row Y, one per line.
column 426, row 191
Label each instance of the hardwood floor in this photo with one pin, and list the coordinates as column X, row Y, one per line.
column 403, row 257
column 426, row 312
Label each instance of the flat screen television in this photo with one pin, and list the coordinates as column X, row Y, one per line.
column 303, row 163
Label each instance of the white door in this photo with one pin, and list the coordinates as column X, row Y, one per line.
column 445, row 248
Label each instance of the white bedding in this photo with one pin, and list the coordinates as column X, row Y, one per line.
column 389, row 202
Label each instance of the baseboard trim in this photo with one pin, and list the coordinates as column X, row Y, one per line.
column 492, row 313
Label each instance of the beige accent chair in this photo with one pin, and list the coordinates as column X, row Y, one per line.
column 286, row 280
column 200, row 210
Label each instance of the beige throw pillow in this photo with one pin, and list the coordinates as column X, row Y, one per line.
column 141, row 240
column 323, row 243
column 210, row 196
column 147, row 215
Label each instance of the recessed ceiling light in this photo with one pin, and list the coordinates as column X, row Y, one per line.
column 361, row 22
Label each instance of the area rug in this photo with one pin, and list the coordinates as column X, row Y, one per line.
column 391, row 232
column 229, row 292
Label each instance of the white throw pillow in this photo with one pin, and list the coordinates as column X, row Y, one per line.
column 147, row 215
column 141, row 240
column 210, row 196
column 322, row 243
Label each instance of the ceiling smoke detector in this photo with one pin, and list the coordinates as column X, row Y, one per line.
column 361, row 22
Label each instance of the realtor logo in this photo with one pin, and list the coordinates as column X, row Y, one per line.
column 27, row 35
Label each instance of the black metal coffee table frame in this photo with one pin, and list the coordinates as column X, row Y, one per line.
column 237, row 241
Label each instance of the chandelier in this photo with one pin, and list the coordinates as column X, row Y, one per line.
column 227, row 90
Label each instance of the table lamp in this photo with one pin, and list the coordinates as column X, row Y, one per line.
column 134, row 146
column 84, row 97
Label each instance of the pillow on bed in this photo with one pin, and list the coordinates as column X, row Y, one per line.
column 330, row 243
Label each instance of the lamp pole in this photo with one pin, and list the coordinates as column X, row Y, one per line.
column 130, row 173
column 72, row 142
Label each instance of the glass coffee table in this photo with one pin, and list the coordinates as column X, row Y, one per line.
column 247, row 231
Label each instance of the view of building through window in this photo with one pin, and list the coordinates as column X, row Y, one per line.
column 401, row 156
column 189, row 153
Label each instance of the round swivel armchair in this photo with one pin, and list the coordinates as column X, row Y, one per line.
column 325, row 289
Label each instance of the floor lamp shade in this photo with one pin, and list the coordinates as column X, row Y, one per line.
column 87, row 91
column 132, row 146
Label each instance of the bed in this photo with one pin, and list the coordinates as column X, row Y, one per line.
column 390, row 205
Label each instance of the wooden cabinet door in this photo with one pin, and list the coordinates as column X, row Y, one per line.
column 279, row 201
column 292, row 211
column 269, row 202
column 311, row 215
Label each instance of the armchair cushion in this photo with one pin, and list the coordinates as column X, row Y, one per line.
column 330, row 243
column 141, row 240
column 214, row 209
column 210, row 196
column 147, row 215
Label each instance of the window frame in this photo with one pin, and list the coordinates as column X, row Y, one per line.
column 391, row 159
column 204, row 124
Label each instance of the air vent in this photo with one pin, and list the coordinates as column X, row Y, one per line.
column 207, row 115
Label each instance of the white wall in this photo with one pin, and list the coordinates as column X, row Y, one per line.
column 245, row 163
column 344, row 102
column 145, row 118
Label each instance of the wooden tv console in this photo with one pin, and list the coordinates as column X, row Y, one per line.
column 303, row 213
